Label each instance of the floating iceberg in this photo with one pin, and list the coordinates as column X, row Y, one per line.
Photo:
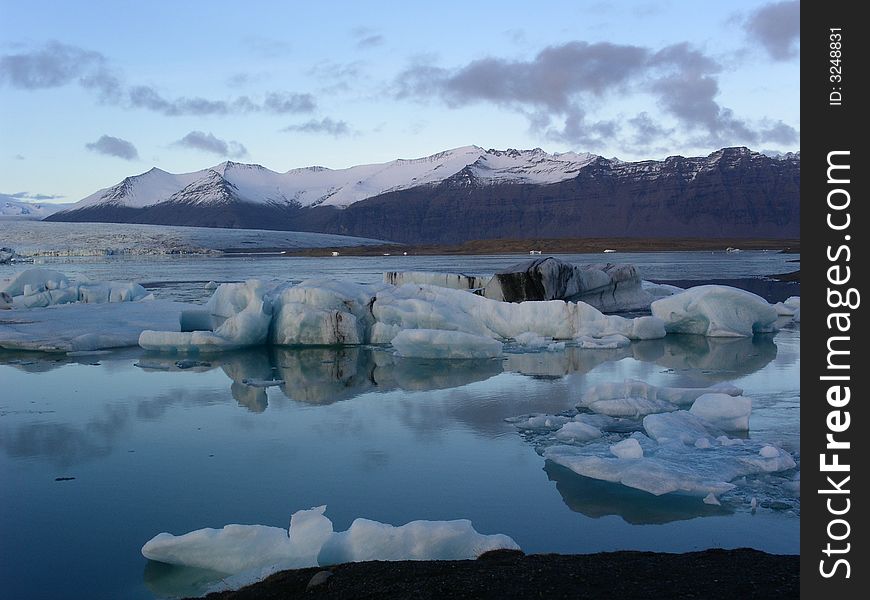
column 38, row 288
column 311, row 541
column 715, row 310
column 607, row 287
column 244, row 318
column 730, row 413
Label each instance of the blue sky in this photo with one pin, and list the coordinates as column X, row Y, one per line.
column 91, row 92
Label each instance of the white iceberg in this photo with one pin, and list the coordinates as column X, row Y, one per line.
column 322, row 312
column 39, row 288
column 238, row 548
column 627, row 449
column 715, row 310
column 244, row 318
column 730, row 413
column 578, row 431
column 311, row 541
column 418, row 540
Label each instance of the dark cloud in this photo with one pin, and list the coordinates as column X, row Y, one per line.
column 777, row 27
column 289, row 103
column 781, row 133
column 112, row 146
column 558, row 88
column 324, row 125
column 207, row 142
column 57, row 65
column 52, row 66
column 647, row 131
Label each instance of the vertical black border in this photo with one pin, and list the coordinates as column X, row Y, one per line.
column 827, row 127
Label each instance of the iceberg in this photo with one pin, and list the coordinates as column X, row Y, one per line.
column 243, row 314
column 39, row 288
column 607, row 287
column 730, row 413
column 311, row 541
column 716, row 311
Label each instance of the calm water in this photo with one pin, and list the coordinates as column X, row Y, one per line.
column 153, row 447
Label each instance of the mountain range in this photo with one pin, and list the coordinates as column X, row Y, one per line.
column 471, row 193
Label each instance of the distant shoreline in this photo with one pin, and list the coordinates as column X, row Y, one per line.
column 544, row 246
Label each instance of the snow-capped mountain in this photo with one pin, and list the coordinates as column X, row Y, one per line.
column 24, row 209
column 472, row 193
column 316, row 186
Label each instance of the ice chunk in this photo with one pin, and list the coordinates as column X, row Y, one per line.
column 730, row 413
column 430, row 307
column 539, row 422
column 712, row 499
column 680, row 426
column 311, row 541
column 237, row 548
column 715, row 310
column 628, row 448
column 768, row 452
column 430, row 343
column 246, row 318
column 660, row 290
column 37, row 279
column 456, row 281
column 417, row 540
column 607, row 287
column 211, row 285
column 530, row 339
column 577, row 431
column 323, row 312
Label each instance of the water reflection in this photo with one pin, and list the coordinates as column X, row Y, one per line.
column 597, row 499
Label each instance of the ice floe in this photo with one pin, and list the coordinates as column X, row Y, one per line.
column 715, row 310
column 647, row 440
column 310, row 541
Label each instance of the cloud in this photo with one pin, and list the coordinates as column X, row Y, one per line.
column 289, row 103
column 19, row 157
column 207, row 142
column 777, row 27
column 561, row 87
column 366, row 38
column 30, row 197
column 325, row 125
column 112, row 146
column 57, row 65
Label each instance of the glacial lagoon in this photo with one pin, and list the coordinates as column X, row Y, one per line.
column 100, row 452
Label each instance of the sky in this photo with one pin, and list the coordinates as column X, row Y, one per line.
column 92, row 92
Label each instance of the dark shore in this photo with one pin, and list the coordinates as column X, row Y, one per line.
column 545, row 246
column 709, row 575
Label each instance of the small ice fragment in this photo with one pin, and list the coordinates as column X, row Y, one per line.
column 753, row 504
column 702, row 443
column 768, row 452
column 578, row 432
column 627, row 449
column 712, row 499
column 211, row 285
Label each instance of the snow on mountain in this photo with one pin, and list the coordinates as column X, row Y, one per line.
column 23, row 209
column 313, row 186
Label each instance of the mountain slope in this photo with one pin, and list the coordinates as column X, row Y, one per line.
column 470, row 193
